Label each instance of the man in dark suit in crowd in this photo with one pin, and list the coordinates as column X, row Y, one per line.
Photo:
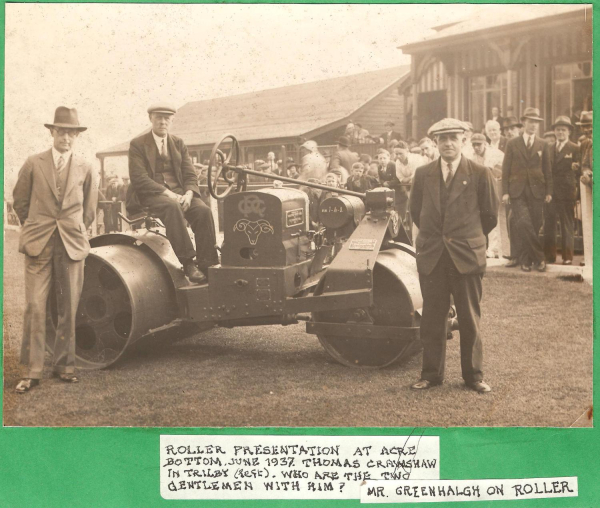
column 587, row 159
column 454, row 204
column 55, row 198
column 526, row 184
column 164, row 181
column 564, row 161
column 343, row 158
column 390, row 134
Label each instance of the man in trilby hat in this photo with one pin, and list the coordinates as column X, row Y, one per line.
column 454, row 204
column 564, row 160
column 164, row 181
column 55, row 198
column 526, row 185
column 586, row 124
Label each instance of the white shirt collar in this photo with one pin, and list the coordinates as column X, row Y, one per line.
column 56, row 155
column 560, row 145
column 159, row 142
column 527, row 136
column 455, row 164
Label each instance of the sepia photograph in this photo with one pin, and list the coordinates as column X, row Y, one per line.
column 298, row 215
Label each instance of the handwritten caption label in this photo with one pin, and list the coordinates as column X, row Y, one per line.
column 436, row 491
column 290, row 467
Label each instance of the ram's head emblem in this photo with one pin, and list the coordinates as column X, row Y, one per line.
column 253, row 228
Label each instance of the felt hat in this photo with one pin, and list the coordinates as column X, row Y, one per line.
column 532, row 114
column 512, row 121
column 585, row 118
column 344, row 141
column 65, row 118
column 563, row 120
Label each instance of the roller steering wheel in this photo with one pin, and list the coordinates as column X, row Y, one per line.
column 223, row 164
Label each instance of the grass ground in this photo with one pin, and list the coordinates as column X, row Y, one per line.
column 537, row 335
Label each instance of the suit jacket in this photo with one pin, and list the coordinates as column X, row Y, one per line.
column 388, row 136
column 565, row 181
column 344, row 158
column 142, row 161
column 522, row 167
column 471, row 213
column 41, row 213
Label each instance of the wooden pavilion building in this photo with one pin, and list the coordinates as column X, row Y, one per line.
column 540, row 57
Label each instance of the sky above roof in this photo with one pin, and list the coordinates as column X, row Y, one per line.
column 110, row 61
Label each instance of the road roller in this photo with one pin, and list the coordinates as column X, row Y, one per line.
column 353, row 280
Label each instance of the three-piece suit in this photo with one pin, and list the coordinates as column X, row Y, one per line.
column 527, row 179
column 55, row 210
column 150, row 174
column 453, row 221
column 565, row 182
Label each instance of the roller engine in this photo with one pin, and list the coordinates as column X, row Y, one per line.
column 356, row 288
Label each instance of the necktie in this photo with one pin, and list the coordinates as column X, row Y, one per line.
column 60, row 164
column 449, row 175
column 529, row 143
column 163, row 150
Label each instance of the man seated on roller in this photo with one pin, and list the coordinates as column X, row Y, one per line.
column 163, row 180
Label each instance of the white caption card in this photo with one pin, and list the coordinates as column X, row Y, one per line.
column 289, row 467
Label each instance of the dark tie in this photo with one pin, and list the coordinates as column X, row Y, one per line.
column 529, row 143
column 449, row 175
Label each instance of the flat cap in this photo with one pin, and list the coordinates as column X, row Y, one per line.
column 446, row 126
column 162, row 107
column 477, row 138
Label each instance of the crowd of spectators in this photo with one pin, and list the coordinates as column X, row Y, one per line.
column 396, row 161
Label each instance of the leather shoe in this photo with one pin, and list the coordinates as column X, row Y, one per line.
column 526, row 268
column 66, row 377
column 479, row 387
column 567, row 262
column 512, row 263
column 194, row 274
column 541, row 266
column 26, row 384
column 423, row 384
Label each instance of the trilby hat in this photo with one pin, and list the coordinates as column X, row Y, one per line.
column 585, row 118
column 532, row 114
column 65, row 118
column 563, row 120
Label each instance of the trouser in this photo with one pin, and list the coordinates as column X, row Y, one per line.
column 513, row 233
column 564, row 209
column 529, row 216
column 436, row 288
column 53, row 267
column 201, row 221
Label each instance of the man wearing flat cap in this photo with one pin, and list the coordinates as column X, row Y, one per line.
column 55, row 199
column 526, row 184
column 564, row 162
column 164, row 181
column 454, row 204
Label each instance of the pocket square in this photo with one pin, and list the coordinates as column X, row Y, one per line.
column 569, row 156
column 539, row 153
